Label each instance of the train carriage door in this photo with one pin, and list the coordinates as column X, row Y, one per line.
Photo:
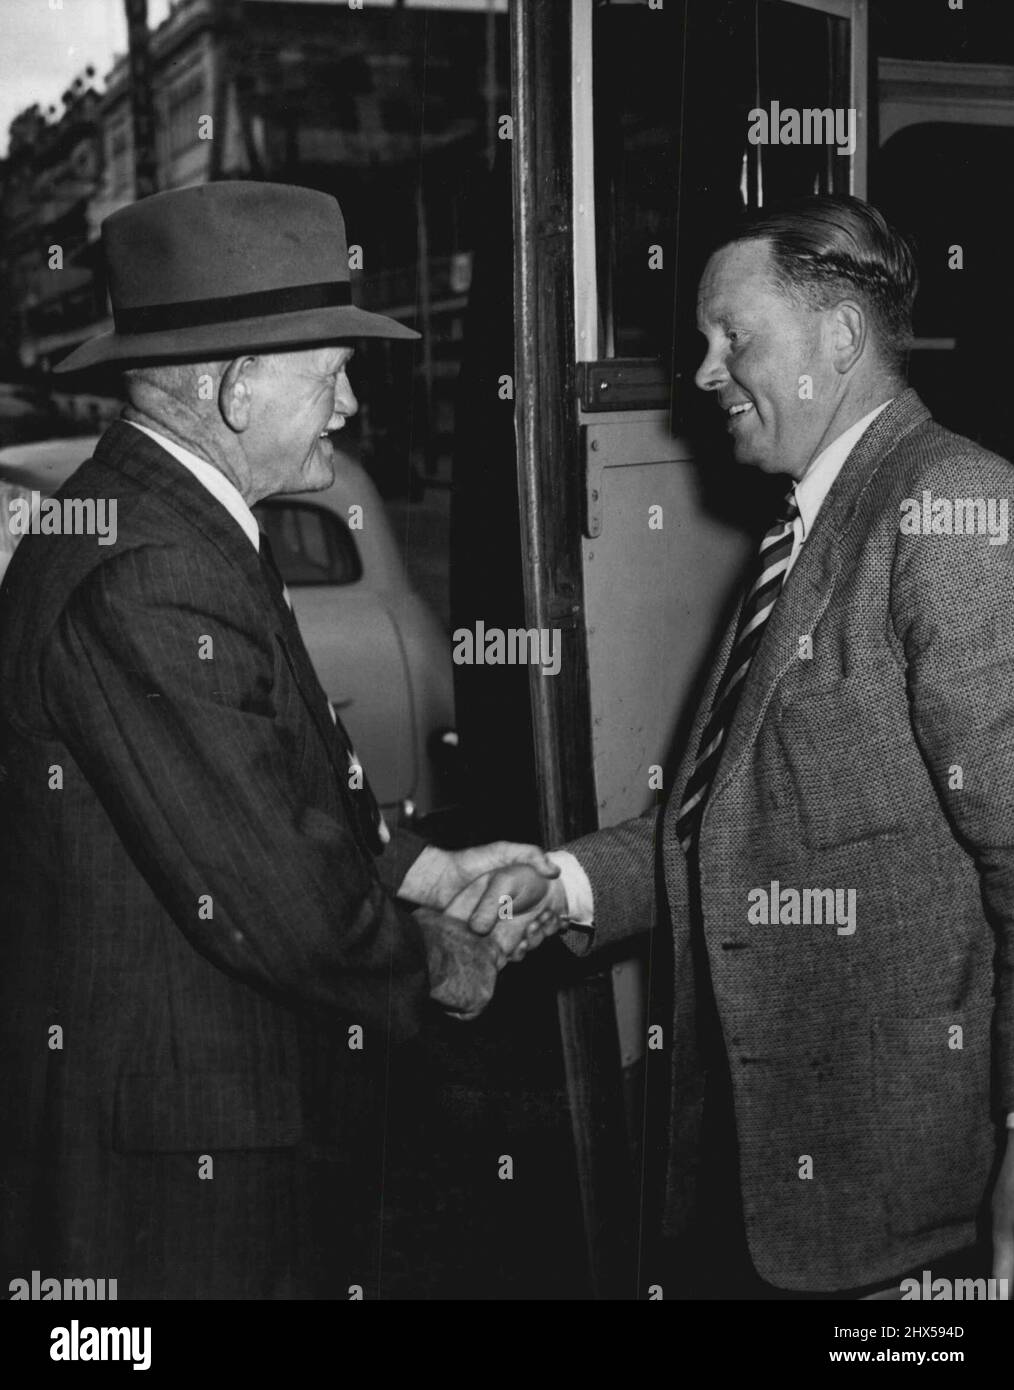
column 637, row 128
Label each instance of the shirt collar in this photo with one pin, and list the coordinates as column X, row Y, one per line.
column 816, row 482
column 212, row 479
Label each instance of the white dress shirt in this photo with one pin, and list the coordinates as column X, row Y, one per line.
column 816, row 482
column 810, row 490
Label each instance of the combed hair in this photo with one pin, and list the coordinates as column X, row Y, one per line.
column 834, row 247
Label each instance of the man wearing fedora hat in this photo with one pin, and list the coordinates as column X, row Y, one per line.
column 212, row 941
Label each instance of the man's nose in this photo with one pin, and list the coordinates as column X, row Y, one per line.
column 711, row 374
column 345, row 402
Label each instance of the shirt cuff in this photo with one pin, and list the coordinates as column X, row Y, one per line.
column 580, row 899
column 414, row 867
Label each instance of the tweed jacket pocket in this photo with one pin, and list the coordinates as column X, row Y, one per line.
column 932, row 1117
column 854, row 769
column 204, row 1112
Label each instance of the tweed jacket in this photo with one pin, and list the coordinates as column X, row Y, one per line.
column 872, row 751
column 194, row 919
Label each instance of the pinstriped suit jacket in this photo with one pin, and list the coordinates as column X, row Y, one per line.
column 883, row 764
column 191, row 899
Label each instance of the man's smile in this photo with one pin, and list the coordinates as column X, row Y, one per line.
column 736, row 412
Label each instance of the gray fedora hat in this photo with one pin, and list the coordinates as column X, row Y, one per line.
column 226, row 268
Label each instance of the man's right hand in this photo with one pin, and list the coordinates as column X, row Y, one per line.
column 462, row 965
column 517, row 906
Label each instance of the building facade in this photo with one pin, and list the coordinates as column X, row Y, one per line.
column 393, row 110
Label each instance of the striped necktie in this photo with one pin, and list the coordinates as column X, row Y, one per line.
column 772, row 565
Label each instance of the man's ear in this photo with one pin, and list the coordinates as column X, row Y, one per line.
column 235, row 394
column 849, row 329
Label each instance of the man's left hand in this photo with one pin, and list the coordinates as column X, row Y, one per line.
column 462, row 967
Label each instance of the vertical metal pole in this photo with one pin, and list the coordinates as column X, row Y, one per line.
column 550, row 469
column 490, row 93
column 425, row 318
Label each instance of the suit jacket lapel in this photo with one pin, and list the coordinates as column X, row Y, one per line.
column 137, row 456
column 808, row 589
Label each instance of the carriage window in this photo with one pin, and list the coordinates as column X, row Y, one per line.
column 936, row 182
column 636, row 85
column 311, row 545
column 679, row 148
column 770, row 85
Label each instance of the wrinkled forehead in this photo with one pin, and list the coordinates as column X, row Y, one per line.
column 321, row 360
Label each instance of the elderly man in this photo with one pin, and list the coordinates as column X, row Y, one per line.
column 838, row 845
column 209, row 943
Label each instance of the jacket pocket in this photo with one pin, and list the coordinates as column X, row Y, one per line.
column 165, row 1112
column 932, row 1116
column 855, row 770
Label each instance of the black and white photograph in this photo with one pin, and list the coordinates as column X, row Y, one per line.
column 506, row 672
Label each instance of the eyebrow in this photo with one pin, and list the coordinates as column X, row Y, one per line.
column 720, row 320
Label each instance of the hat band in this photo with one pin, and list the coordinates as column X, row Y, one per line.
column 230, row 308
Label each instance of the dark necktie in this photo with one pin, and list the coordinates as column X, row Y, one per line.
column 769, row 575
column 273, row 574
column 368, row 813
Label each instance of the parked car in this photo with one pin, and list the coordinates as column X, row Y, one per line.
column 378, row 649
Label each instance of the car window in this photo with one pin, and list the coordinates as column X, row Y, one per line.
column 310, row 544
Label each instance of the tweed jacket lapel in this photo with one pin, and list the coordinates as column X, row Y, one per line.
column 810, row 585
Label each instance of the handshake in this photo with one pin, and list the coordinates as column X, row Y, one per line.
column 479, row 910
